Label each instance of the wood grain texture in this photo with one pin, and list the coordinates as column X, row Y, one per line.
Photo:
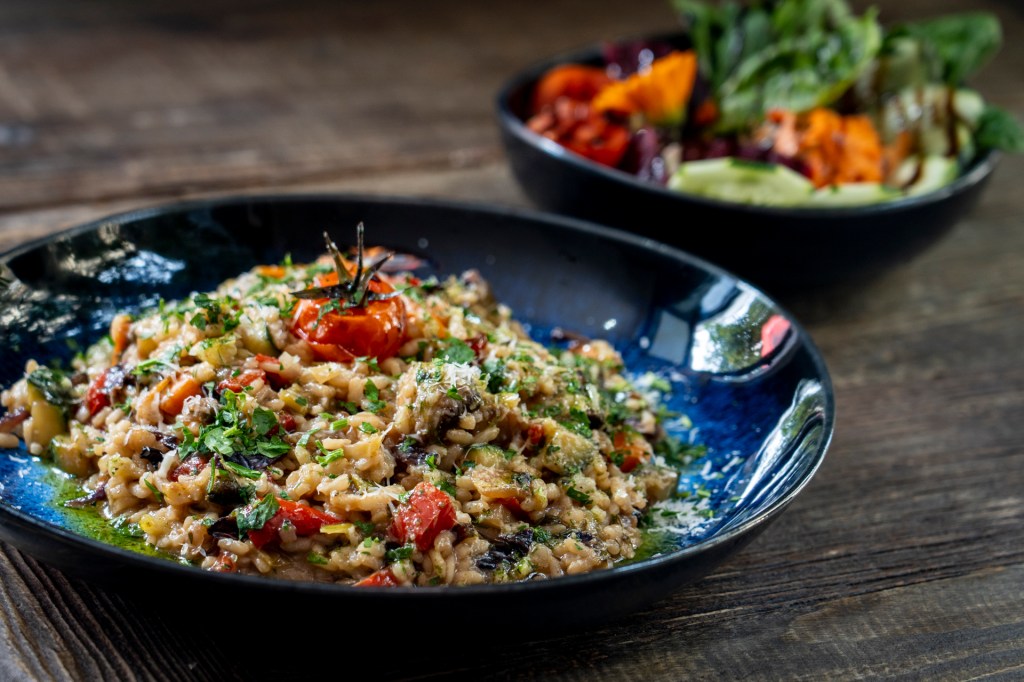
column 904, row 557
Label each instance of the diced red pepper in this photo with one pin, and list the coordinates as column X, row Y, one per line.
column 478, row 343
column 97, row 397
column 101, row 392
column 631, row 447
column 238, row 383
column 535, row 434
column 224, row 564
column 382, row 578
column 514, row 506
column 286, row 421
column 190, row 467
column 268, row 533
column 306, row 520
column 423, row 516
column 273, row 368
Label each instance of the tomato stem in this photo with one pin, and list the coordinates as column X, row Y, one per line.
column 354, row 291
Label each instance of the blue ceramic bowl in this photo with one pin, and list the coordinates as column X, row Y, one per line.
column 742, row 370
column 781, row 248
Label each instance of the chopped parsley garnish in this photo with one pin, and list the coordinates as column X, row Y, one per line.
column 153, row 489
column 329, row 455
column 151, row 365
column 372, row 395
column 234, row 435
column 457, row 351
column 578, row 422
column 208, row 311
column 367, row 427
column 494, row 375
column 239, row 470
column 316, row 559
column 578, row 495
column 255, row 516
column 398, row 553
column 677, row 452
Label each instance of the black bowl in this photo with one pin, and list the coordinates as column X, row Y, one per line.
column 744, row 371
column 779, row 247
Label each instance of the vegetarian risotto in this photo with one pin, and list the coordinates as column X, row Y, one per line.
column 341, row 421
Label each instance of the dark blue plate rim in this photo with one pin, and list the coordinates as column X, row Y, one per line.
column 595, row 578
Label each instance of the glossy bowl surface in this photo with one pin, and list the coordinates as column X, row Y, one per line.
column 743, row 371
column 781, row 248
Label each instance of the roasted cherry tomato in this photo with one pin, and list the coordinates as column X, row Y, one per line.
column 376, row 329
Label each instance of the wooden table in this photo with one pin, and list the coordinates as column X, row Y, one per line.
column 904, row 556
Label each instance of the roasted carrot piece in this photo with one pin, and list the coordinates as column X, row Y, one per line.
column 183, row 387
column 119, row 328
column 661, row 93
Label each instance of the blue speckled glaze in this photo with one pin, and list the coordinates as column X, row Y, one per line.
column 745, row 380
column 28, row 486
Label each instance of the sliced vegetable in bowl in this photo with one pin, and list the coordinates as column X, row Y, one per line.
column 837, row 110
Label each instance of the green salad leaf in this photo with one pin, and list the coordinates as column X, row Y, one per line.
column 791, row 54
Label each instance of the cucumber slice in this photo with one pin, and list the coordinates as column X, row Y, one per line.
column 750, row 182
column 969, row 106
column 854, row 194
column 936, row 172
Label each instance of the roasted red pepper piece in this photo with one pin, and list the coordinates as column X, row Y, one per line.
column 97, row 397
column 423, row 516
column 382, row 578
column 306, row 521
column 633, row 449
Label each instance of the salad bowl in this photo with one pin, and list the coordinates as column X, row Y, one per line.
column 739, row 374
column 779, row 244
